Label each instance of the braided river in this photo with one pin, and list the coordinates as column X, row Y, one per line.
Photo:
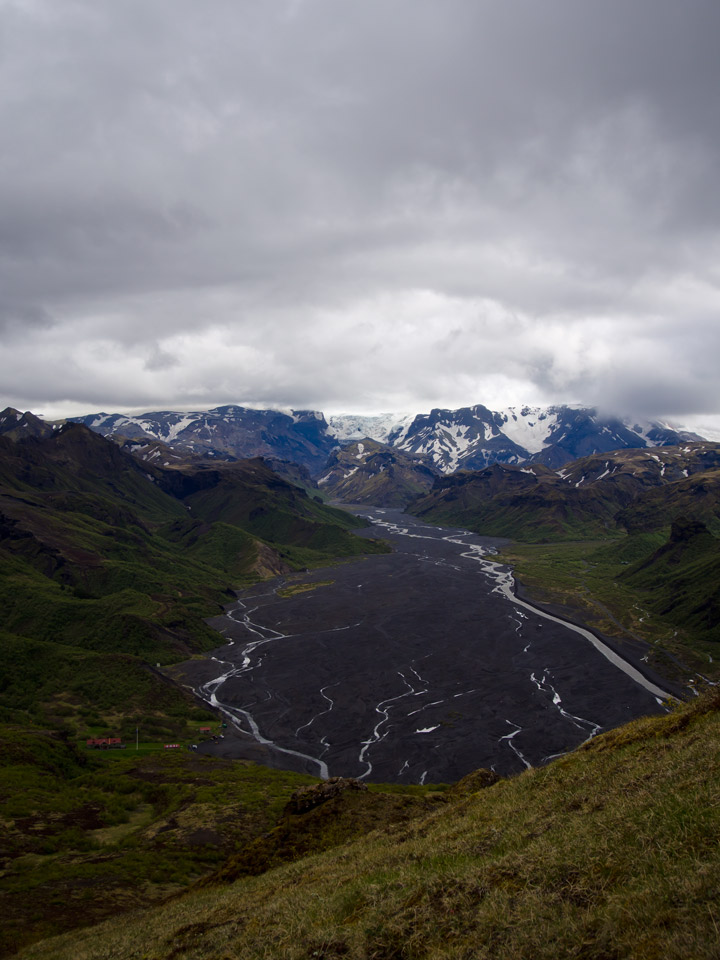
column 417, row 666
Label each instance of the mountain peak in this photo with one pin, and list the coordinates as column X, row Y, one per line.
column 19, row 426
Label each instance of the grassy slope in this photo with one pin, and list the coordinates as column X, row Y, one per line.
column 274, row 511
column 610, row 852
column 97, row 560
column 696, row 497
column 506, row 501
column 681, row 579
column 524, row 519
column 84, row 835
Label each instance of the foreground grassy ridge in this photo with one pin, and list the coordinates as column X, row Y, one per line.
column 87, row 835
column 610, row 852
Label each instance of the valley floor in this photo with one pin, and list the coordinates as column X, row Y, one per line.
column 412, row 667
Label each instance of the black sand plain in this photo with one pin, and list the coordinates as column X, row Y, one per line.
column 410, row 667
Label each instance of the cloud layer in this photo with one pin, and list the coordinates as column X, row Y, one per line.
column 349, row 206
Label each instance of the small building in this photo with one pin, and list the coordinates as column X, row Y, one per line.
column 105, row 743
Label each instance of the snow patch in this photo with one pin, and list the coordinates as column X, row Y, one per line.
column 348, row 427
column 97, row 422
column 528, row 427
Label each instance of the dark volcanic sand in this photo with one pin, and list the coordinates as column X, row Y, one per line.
column 411, row 667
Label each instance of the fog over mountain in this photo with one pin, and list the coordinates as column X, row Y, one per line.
column 360, row 207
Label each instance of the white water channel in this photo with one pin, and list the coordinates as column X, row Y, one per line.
column 236, row 715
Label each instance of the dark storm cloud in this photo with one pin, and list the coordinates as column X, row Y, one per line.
column 322, row 203
column 18, row 317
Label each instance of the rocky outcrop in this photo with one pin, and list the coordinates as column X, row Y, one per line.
column 20, row 426
column 319, row 817
column 307, row 798
column 269, row 563
column 479, row 779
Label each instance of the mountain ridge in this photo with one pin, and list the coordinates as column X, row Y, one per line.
column 104, row 552
column 465, row 438
column 623, row 491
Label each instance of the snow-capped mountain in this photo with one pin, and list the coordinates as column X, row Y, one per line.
column 473, row 437
column 301, row 436
column 469, row 438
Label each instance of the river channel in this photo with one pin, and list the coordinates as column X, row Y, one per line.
column 412, row 667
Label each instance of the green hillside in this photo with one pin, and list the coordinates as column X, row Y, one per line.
column 276, row 512
column 696, row 497
column 681, row 579
column 109, row 566
column 85, row 835
column 612, row 851
column 604, row 495
column 529, row 504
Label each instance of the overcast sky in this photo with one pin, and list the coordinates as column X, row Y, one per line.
column 360, row 205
